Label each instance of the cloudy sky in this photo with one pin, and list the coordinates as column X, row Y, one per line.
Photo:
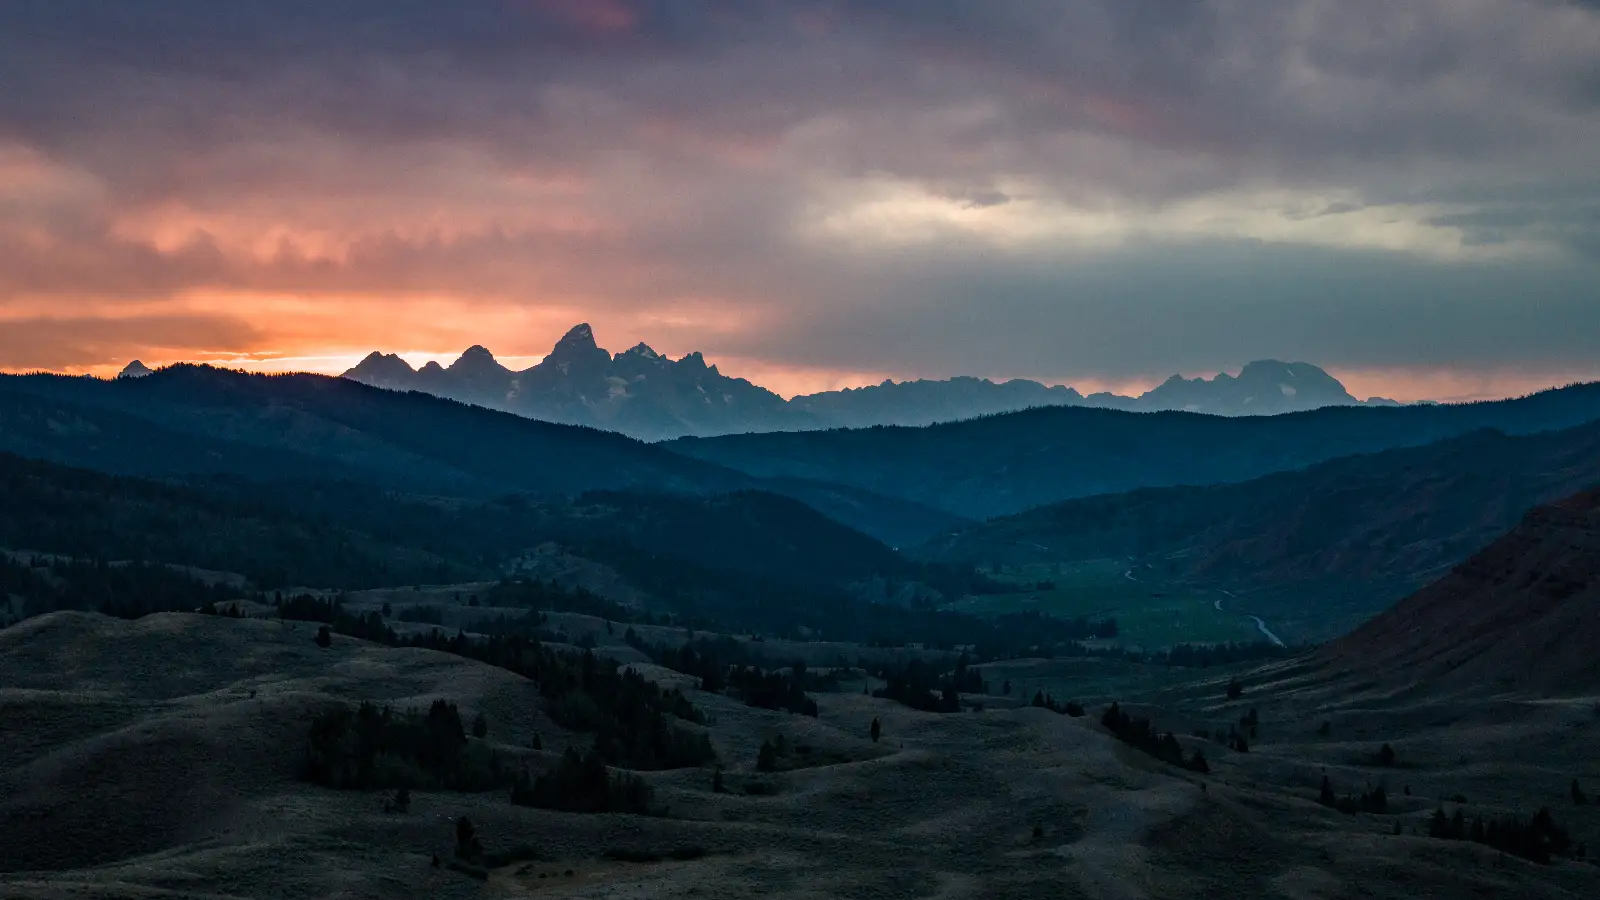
column 813, row 192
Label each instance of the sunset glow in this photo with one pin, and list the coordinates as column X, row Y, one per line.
column 815, row 195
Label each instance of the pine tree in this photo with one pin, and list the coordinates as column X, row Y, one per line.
column 767, row 758
column 468, row 847
column 480, row 727
column 1578, row 796
column 1386, row 756
column 1326, row 796
column 877, row 730
column 324, row 638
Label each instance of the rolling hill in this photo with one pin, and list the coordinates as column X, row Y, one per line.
column 1005, row 464
column 346, row 534
column 1317, row 550
column 388, row 437
column 188, row 421
column 1522, row 614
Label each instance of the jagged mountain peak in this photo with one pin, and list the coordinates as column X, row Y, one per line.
column 578, row 337
column 135, row 369
column 382, row 370
column 1275, row 368
column 641, row 350
column 576, row 353
column 476, row 358
column 1262, row 387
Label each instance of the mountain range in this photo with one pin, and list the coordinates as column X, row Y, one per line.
column 647, row 395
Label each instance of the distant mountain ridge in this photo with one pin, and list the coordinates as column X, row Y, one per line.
column 638, row 392
column 1001, row 465
column 644, row 394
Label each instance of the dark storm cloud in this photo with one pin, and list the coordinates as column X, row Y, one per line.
column 634, row 156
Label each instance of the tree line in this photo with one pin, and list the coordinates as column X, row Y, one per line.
column 633, row 720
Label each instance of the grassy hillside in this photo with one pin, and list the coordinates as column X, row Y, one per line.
column 164, row 752
column 756, row 561
column 348, row 534
column 1520, row 614
column 1005, row 464
column 1322, row 548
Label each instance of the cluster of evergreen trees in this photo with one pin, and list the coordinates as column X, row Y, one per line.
column 634, row 720
column 779, row 755
column 1140, row 734
column 125, row 590
column 773, row 690
column 425, row 615
column 724, row 665
column 920, row 685
column 1375, row 800
column 1538, row 839
column 1071, row 708
column 580, row 783
column 1200, row 656
column 523, row 592
column 334, row 533
column 368, row 626
column 374, row 748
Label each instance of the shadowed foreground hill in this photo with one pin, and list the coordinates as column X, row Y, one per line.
column 1005, row 464
column 157, row 758
column 1523, row 615
column 128, row 738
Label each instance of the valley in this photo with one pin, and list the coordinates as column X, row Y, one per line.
column 1148, row 615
